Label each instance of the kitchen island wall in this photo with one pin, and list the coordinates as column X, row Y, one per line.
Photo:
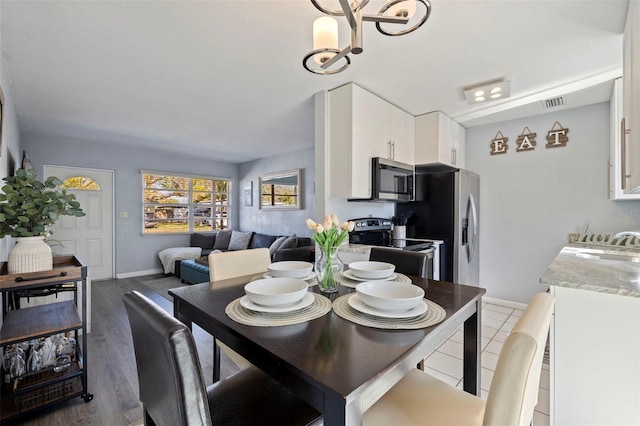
column 531, row 200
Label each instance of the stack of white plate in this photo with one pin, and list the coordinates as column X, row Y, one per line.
column 369, row 271
column 290, row 269
column 389, row 299
column 276, row 295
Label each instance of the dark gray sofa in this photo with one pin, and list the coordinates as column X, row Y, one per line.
column 294, row 247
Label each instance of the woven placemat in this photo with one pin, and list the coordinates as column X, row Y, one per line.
column 346, row 282
column 435, row 314
column 320, row 306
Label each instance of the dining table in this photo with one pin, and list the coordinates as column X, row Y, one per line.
column 338, row 367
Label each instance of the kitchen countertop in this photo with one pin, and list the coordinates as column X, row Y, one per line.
column 610, row 270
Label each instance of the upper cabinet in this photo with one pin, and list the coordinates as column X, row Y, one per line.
column 439, row 139
column 630, row 122
column 363, row 126
column 619, row 150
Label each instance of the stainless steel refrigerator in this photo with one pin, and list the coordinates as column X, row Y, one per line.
column 446, row 208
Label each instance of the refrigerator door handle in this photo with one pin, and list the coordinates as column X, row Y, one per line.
column 471, row 211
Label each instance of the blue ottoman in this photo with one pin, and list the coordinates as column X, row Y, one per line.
column 192, row 272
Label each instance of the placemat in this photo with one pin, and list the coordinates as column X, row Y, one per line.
column 320, row 306
column 435, row 314
column 346, row 282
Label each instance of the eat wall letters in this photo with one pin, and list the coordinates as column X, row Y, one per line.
column 556, row 138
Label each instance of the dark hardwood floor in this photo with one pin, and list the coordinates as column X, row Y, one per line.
column 111, row 363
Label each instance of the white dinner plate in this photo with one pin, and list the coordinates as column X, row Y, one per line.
column 357, row 304
column 348, row 274
column 248, row 304
column 307, row 278
column 346, row 282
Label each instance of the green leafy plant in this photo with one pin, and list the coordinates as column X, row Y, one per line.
column 28, row 206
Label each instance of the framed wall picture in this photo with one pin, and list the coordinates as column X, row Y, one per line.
column 247, row 193
column 26, row 163
column 1, row 117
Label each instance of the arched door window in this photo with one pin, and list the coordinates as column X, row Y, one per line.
column 82, row 183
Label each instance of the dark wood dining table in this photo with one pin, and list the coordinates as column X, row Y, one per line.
column 338, row 367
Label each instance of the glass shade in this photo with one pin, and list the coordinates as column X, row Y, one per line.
column 325, row 36
column 405, row 9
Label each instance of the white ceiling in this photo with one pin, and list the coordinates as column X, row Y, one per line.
column 225, row 78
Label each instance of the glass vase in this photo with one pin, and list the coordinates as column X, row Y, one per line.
column 328, row 269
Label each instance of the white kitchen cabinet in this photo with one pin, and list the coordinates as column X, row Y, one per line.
column 631, row 100
column 616, row 156
column 362, row 126
column 595, row 353
column 439, row 140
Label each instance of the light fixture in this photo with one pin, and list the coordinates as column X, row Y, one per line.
column 326, row 56
column 490, row 91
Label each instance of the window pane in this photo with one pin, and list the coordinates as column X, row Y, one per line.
column 203, row 185
column 81, row 182
column 202, row 197
column 166, row 212
column 166, row 182
column 222, row 198
column 222, row 186
column 166, row 197
column 285, row 200
column 166, row 226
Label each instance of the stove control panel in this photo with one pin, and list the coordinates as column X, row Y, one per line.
column 371, row 224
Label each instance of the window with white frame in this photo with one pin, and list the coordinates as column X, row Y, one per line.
column 184, row 203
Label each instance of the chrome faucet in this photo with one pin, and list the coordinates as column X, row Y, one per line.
column 627, row 234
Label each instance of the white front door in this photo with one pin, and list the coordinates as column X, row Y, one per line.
column 90, row 237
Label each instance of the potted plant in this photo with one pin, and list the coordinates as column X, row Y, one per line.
column 27, row 208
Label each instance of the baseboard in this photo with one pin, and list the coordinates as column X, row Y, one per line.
column 502, row 302
column 140, row 273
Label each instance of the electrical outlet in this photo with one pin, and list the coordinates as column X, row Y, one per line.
column 124, row 214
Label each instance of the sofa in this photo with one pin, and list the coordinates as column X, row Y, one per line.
column 281, row 248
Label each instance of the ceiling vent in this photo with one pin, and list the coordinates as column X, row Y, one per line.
column 553, row 102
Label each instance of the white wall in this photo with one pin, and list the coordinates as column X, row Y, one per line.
column 530, row 201
column 278, row 222
column 10, row 152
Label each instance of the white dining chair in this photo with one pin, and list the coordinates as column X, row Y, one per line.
column 234, row 264
column 420, row 399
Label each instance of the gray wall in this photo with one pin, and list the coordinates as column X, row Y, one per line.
column 278, row 222
column 11, row 152
column 135, row 253
column 531, row 200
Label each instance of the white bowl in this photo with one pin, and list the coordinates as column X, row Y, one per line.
column 290, row 269
column 372, row 270
column 390, row 295
column 276, row 291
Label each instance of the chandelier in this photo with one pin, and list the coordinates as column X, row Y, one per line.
column 326, row 58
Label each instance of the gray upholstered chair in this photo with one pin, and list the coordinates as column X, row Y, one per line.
column 172, row 388
column 406, row 262
column 420, row 399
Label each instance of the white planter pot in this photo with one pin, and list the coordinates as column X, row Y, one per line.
column 30, row 254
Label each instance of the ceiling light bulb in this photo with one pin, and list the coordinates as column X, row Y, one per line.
column 496, row 95
column 478, row 93
column 405, row 9
column 496, row 90
column 479, row 98
column 325, row 36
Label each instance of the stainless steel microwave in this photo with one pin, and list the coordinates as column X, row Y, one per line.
column 390, row 181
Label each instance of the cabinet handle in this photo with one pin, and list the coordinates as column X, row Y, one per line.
column 22, row 279
column 623, row 153
column 453, row 156
column 389, row 149
column 393, row 150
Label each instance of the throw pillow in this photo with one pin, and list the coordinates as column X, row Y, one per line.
column 222, row 240
column 290, row 242
column 276, row 245
column 261, row 240
column 239, row 240
column 204, row 241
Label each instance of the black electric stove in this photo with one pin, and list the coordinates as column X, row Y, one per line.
column 377, row 232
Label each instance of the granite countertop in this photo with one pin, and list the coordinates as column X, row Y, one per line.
column 610, row 270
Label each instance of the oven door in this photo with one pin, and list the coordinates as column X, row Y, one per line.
column 392, row 180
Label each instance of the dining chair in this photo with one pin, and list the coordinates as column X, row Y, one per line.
column 420, row 399
column 172, row 388
column 233, row 264
column 406, row 262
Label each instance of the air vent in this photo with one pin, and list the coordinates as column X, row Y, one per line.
column 553, row 102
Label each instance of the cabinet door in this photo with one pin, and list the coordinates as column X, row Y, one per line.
column 616, row 156
column 631, row 101
column 401, row 135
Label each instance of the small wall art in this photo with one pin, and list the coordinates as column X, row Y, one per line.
column 526, row 141
column 499, row 144
column 557, row 136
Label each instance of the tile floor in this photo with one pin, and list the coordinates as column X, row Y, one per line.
column 497, row 320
